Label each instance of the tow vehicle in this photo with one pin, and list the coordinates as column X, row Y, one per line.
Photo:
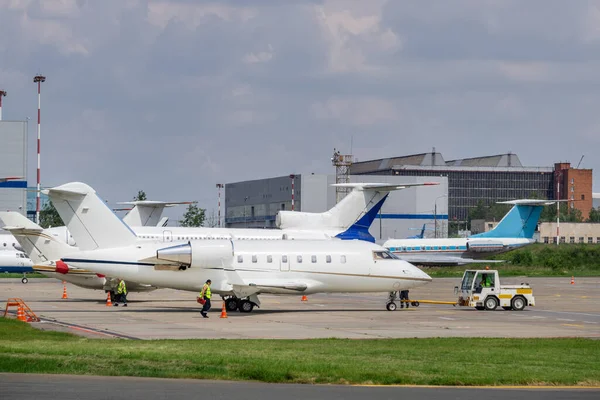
column 481, row 289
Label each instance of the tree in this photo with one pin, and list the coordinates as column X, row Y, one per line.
column 141, row 196
column 594, row 215
column 193, row 217
column 49, row 216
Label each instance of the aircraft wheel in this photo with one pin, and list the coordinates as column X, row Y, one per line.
column 391, row 306
column 231, row 304
column 24, row 280
column 518, row 303
column 246, row 306
column 415, row 304
column 490, row 303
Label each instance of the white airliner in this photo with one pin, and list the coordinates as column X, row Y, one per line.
column 240, row 270
column 515, row 230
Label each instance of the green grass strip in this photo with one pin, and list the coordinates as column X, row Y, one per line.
column 440, row 361
column 17, row 275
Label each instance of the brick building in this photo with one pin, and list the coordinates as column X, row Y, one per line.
column 574, row 185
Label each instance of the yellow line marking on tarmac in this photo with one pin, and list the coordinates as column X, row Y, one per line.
column 576, row 325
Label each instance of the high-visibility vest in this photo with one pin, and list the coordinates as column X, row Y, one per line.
column 121, row 289
column 206, row 290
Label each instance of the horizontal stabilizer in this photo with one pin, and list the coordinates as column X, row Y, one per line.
column 15, row 221
column 383, row 186
column 147, row 212
column 531, row 202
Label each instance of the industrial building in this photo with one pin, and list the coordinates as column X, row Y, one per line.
column 254, row 204
column 13, row 163
column 488, row 179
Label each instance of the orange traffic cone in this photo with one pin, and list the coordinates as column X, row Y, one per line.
column 64, row 296
column 304, row 298
column 223, row 311
column 108, row 302
column 21, row 313
column 572, row 280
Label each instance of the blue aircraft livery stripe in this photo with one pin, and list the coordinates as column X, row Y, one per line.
column 14, row 184
column 413, row 216
column 360, row 229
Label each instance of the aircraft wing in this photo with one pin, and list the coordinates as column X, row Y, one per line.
column 382, row 186
column 443, row 260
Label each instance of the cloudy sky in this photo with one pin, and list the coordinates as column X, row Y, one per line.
column 174, row 96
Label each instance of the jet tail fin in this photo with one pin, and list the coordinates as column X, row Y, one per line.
column 41, row 245
column 519, row 222
column 357, row 210
column 90, row 221
column 147, row 212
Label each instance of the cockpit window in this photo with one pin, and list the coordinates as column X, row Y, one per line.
column 384, row 255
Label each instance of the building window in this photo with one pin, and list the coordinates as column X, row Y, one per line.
column 313, row 259
column 562, row 239
column 283, row 206
column 328, row 259
column 269, row 259
column 254, row 259
column 572, row 181
column 343, row 259
column 572, row 189
column 590, row 240
column 240, row 259
column 572, row 205
column 581, row 239
column 583, row 197
column 554, row 240
column 571, row 239
column 299, row 259
column 545, row 239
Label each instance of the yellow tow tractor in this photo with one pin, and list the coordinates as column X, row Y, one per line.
column 481, row 289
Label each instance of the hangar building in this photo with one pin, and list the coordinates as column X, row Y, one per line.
column 13, row 163
column 254, row 204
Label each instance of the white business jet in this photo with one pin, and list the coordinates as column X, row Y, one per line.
column 240, row 270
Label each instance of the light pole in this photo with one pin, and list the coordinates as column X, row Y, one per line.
column 219, row 187
column 435, row 214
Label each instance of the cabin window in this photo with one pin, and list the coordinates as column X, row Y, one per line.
column 254, row 259
column 240, row 259
column 313, row 259
column 269, row 259
column 299, row 259
column 284, row 259
column 343, row 259
column 328, row 259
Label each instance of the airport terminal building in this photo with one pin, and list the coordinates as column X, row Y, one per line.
column 254, row 204
column 488, row 179
column 13, row 163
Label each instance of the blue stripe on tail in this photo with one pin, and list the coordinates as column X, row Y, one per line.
column 360, row 229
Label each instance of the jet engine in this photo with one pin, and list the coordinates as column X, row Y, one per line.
column 203, row 254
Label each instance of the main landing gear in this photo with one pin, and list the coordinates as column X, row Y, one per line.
column 242, row 305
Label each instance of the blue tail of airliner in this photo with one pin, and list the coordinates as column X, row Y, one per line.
column 519, row 222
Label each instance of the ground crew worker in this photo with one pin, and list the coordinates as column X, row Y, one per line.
column 486, row 280
column 404, row 298
column 121, row 293
column 205, row 294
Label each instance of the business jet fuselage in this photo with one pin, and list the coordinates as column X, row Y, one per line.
column 244, row 269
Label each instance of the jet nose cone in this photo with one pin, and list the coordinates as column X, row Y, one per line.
column 425, row 276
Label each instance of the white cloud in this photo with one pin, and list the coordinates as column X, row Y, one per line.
column 356, row 111
column 259, row 57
